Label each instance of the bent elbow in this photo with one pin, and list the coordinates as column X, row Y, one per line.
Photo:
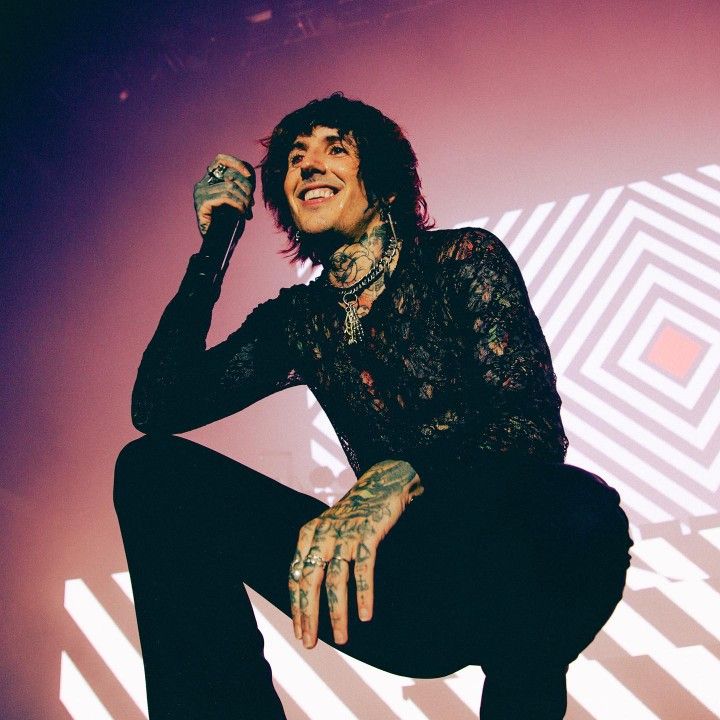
column 149, row 419
column 143, row 422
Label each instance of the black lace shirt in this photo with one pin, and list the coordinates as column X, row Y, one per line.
column 453, row 363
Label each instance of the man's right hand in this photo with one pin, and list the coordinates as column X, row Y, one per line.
column 235, row 189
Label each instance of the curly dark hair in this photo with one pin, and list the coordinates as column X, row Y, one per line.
column 388, row 165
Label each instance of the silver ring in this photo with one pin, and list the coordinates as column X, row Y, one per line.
column 216, row 174
column 314, row 560
column 296, row 571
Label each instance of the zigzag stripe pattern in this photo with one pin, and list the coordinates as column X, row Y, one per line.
column 626, row 288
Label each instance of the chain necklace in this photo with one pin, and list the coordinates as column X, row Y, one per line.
column 352, row 328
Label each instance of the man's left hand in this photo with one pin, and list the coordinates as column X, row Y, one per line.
column 349, row 531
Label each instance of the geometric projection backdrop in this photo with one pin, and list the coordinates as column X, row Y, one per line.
column 626, row 284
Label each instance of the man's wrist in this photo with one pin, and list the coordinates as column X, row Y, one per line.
column 201, row 276
column 398, row 476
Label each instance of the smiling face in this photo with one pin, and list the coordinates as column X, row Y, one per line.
column 322, row 186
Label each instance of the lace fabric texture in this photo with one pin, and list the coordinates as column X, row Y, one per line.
column 453, row 364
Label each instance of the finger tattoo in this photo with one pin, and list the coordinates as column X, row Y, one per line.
column 363, row 552
column 332, row 598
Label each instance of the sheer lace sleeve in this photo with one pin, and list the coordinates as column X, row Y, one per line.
column 181, row 385
column 508, row 360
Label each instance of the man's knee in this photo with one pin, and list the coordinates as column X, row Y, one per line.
column 591, row 509
column 136, row 467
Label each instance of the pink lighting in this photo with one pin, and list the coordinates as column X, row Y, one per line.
column 674, row 351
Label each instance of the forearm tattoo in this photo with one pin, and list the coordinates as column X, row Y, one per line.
column 368, row 497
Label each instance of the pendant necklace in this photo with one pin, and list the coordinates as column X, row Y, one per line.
column 352, row 328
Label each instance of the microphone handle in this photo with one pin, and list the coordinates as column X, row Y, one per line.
column 225, row 229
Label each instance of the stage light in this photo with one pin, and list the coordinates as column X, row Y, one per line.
column 260, row 16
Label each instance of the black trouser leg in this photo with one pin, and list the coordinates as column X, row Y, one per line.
column 564, row 549
column 488, row 568
column 539, row 694
column 183, row 513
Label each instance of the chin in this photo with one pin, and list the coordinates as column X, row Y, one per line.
column 322, row 243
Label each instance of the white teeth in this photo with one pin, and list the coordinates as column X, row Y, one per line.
column 321, row 192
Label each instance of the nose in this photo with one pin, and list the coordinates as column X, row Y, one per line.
column 312, row 164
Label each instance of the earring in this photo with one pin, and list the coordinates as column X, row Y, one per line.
column 386, row 216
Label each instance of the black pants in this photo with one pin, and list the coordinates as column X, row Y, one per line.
column 514, row 567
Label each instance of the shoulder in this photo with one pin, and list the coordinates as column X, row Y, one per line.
column 459, row 244
column 477, row 272
column 468, row 251
column 285, row 304
column 296, row 294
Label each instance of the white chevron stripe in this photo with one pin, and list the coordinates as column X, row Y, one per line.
column 466, row 684
column 566, row 263
column 694, row 668
column 305, row 271
column 712, row 171
column 645, row 472
column 504, row 225
column 528, row 230
column 634, row 634
column 388, row 687
column 123, row 580
column 322, row 423
column 680, row 206
column 712, row 535
column 640, row 579
column 694, row 187
column 539, row 258
column 698, row 671
column 602, row 694
column 667, row 561
column 302, row 268
column 299, row 680
column 325, row 458
column 108, row 640
column 698, row 600
column 605, row 247
column 77, row 696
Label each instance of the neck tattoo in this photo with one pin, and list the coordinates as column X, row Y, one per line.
column 347, row 265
